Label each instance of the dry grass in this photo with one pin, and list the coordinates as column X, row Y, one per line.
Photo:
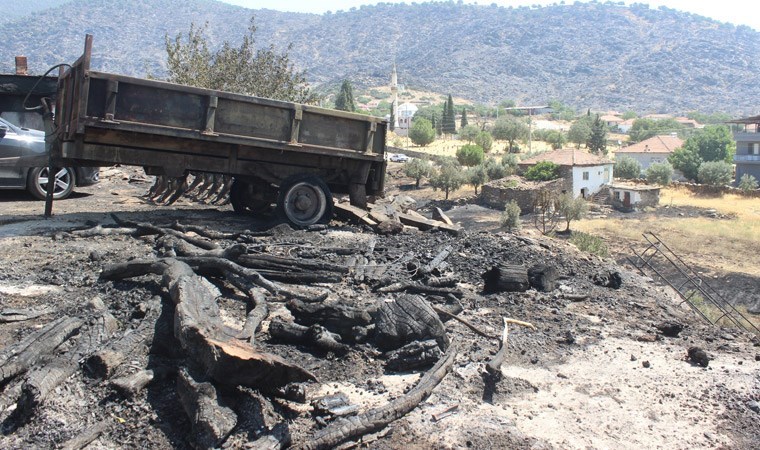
column 727, row 245
column 449, row 147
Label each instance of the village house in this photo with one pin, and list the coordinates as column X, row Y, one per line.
column 747, row 157
column 626, row 125
column 611, row 121
column 653, row 150
column 584, row 174
column 633, row 197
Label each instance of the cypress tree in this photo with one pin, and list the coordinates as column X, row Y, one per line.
column 597, row 141
column 345, row 99
column 448, row 121
column 391, row 125
column 463, row 123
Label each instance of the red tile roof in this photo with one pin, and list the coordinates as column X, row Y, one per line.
column 656, row 144
column 568, row 157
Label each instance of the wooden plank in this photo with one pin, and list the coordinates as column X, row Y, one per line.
column 352, row 212
column 425, row 224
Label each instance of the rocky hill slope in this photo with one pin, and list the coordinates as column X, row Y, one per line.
column 586, row 55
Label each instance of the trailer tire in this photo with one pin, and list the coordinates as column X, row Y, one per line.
column 251, row 198
column 305, row 200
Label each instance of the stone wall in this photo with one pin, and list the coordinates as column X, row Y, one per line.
column 496, row 194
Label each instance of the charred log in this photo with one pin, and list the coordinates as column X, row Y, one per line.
column 506, row 278
column 20, row 357
column 86, row 437
column 409, row 318
column 347, row 428
column 41, row 381
column 212, row 422
column 314, row 335
column 336, row 317
column 417, row 288
column 543, row 277
column 20, row 315
column 103, row 364
column 415, row 355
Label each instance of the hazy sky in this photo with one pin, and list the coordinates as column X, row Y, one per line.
column 738, row 12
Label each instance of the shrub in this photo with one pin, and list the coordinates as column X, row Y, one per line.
column 509, row 161
column 496, row 170
column 418, row 168
column 589, row 243
column 543, row 171
column 448, row 178
column 510, row 218
column 477, row 176
column 422, row 132
column 627, row 168
column 484, row 140
column 715, row 173
column 469, row 133
column 571, row 208
column 660, row 173
column 747, row 183
column 470, row 155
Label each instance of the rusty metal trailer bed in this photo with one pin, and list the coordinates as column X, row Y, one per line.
column 294, row 154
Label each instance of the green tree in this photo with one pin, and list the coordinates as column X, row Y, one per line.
column 747, row 183
column 470, row 155
column 448, row 121
column 463, row 120
column 561, row 111
column 660, row 173
column 580, row 131
column 630, row 115
column 392, row 120
column 422, row 132
column 345, row 99
column 716, row 173
column 543, row 171
column 496, row 169
column 687, row 160
column 713, row 143
column 484, row 140
column 597, row 140
column 244, row 69
column 418, row 168
column 510, row 129
column 510, row 218
column 645, row 128
column 570, row 208
column 449, row 177
column 477, row 176
column 556, row 139
column 469, row 132
column 627, row 168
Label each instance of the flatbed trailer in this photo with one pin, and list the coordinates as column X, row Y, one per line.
column 279, row 152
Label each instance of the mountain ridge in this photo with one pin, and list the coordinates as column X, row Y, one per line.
column 588, row 55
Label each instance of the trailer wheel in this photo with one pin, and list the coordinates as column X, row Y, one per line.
column 305, row 200
column 251, row 198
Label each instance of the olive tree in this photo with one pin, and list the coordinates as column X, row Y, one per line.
column 627, row 168
column 261, row 72
column 660, row 173
column 448, row 177
column 716, row 173
column 418, row 168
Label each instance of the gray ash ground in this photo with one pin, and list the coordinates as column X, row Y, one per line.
column 558, row 382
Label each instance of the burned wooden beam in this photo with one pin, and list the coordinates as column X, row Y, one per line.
column 314, row 335
column 212, row 421
column 103, row 364
column 19, row 315
column 131, row 385
column 18, row 358
column 408, row 318
column 337, row 317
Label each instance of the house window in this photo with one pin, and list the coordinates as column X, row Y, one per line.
column 755, row 149
column 585, row 175
column 617, row 195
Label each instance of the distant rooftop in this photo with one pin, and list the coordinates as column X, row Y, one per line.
column 656, row 144
column 568, row 157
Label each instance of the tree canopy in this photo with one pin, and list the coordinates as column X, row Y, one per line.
column 345, row 99
column 511, row 129
column 246, row 70
column 422, row 132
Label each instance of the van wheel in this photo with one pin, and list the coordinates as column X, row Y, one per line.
column 65, row 179
column 305, row 200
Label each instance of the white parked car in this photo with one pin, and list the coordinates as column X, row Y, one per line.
column 399, row 157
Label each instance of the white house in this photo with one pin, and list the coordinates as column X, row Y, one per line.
column 584, row 173
column 653, row 150
column 405, row 113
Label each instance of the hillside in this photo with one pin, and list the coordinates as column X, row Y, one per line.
column 585, row 55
